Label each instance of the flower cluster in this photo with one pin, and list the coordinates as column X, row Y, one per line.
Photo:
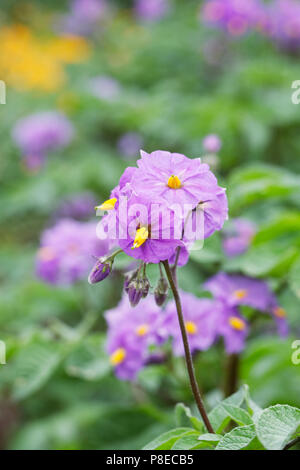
column 278, row 19
column 38, row 134
column 133, row 333
column 157, row 206
column 67, row 250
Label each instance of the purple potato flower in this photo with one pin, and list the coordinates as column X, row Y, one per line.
column 235, row 290
column 175, row 179
column 67, row 250
column 149, row 232
column 233, row 328
column 38, row 134
column 151, row 10
column 238, row 237
column 200, row 316
column 168, row 201
column 131, row 332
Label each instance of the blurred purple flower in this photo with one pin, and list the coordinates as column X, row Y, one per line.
column 38, row 134
column 67, row 250
column 283, row 23
column 130, row 144
column 201, row 319
column 237, row 17
column 238, row 236
column 151, row 10
column 235, row 290
column 78, row 206
column 105, row 88
column 131, row 331
column 212, row 143
column 83, row 17
column 233, row 328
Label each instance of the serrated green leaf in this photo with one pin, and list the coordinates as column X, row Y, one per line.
column 238, row 438
column 277, row 425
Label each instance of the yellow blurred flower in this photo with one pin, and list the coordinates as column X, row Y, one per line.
column 27, row 63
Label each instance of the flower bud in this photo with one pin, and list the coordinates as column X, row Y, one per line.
column 100, row 271
column 135, row 291
column 128, row 278
column 146, row 287
column 161, row 291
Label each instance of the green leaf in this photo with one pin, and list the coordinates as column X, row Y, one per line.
column 277, row 425
column 187, row 442
column 260, row 182
column 237, row 414
column 210, row 437
column 219, row 417
column 253, row 408
column 184, row 417
column 33, row 368
column 166, row 441
column 88, row 361
column 238, row 438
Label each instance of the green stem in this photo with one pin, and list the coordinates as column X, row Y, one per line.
column 188, row 356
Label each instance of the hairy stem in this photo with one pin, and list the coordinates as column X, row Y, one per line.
column 188, row 356
column 231, row 374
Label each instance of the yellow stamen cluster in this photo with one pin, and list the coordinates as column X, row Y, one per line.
column 237, row 323
column 279, row 312
column 142, row 330
column 118, row 357
column 27, row 63
column 46, row 253
column 240, row 294
column 191, row 327
column 174, row 182
column 141, row 236
column 108, row 205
